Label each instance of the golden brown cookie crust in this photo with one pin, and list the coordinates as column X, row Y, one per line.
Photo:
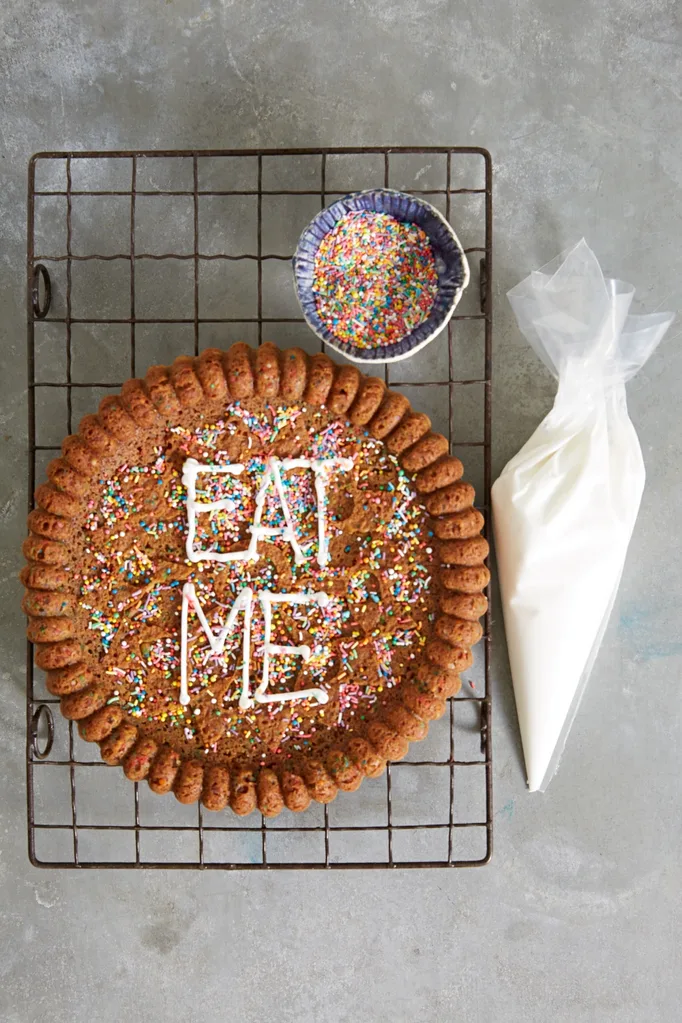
column 161, row 399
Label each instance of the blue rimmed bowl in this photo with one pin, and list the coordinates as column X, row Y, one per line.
column 451, row 264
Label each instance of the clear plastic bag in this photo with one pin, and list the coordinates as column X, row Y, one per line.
column 565, row 506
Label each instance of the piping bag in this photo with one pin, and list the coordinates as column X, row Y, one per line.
column 565, row 506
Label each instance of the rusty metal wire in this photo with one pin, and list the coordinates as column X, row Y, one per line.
column 58, row 831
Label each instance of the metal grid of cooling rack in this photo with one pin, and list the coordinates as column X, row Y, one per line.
column 135, row 257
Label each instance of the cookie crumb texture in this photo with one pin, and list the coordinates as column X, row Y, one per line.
column 107, row 563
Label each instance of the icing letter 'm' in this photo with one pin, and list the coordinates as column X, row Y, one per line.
column 217, row 643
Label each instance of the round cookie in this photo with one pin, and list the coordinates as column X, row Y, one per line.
column 364, row 596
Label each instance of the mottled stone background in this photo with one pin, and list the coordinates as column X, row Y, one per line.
column 577, row 919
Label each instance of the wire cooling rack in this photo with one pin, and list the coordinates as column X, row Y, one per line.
column 136, row 257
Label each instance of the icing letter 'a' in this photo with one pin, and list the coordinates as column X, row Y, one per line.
column 322, row 467
column 272, row 477
column 244, row 602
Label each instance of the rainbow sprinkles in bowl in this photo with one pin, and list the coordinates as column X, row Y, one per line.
column 379, row 274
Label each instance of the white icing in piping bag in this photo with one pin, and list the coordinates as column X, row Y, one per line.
column 565, row 506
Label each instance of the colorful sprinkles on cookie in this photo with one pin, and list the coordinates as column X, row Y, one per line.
column 375, row 279
column 360, row 640
column 140, row 616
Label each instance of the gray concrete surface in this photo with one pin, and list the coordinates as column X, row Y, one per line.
column 577, row 919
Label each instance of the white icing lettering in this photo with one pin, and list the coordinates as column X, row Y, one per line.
column 267, row 599
column 244, row 602
column 190, row 471
column 322, row 468
column 217, row 643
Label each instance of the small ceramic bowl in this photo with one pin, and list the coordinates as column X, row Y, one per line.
column 451, row 264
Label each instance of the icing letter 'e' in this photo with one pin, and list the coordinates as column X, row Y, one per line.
column 267, row 599
column 190, row 470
